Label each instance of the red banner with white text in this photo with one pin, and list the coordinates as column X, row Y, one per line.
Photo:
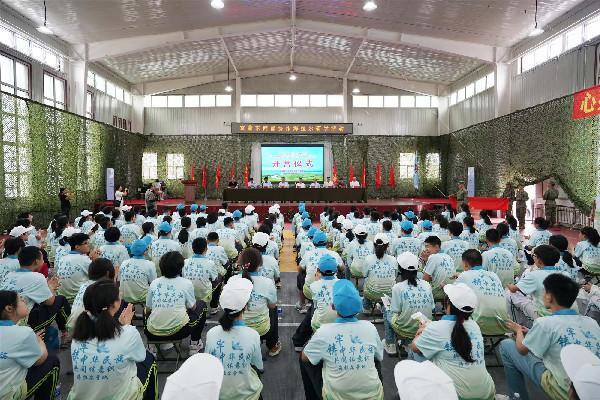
column 586, row 103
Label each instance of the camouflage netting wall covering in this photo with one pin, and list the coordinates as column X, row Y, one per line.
column 530, row 146
column 236, row 149
column 44, row 149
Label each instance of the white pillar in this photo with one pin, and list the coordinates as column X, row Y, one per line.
column 137, row 113
column 502, row 89
column 77, row 81
column 238, row 99
column 443, row 115
column 346, row 100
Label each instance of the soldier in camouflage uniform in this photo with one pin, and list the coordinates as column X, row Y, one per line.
column 509, row 193
column 461, row 195
column 521, row 198
column 550, row 197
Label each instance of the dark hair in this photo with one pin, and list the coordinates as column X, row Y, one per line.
column 395, row 216
column 502, row 229
column 424, row 214
column 562, row 244
column 97, row 300
column 460, row 339
column 112, row 234
column 472, row 257
column 147, row 228
column 434, row 240
column 374, row 216
column 469, row 223
column 484, row 214
column 77, row 239
column 227, row 319
column 104, row 222
column 7, row 298
column 200, row 222
column 152, row 213
column 212, row 218
column 24, row 215
column 410, row 276
column 184, row 234
column 442, row 221
column 450, row 210
column 386, row 225
column 212, row 237
column 562, row 288
column 82, row 221
column 101, row 268
column 107, row 210
column 167, row 218
column 13, row 245
column 181, row 212
column 116, row 213
column 512, row 222
column 492, row 235
column 199, row 245
column 549, row 255
column 361, row 238
column 591, row 234
column 250, row 260
column 465, row 208
column 541, row 222
column 23, row 222
column 129, row 215
column 171, row 264
column 455, row 228
column 58, row 225
column 265, row 228
column 28, row 255
column 229, row 220
column 380, row 249
column 350, row 235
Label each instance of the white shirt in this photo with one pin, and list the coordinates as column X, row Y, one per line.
column 328, row 184
column 354, row 184
column 300, row 185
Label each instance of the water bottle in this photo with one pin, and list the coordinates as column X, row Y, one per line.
column 279, row 313
column 57, row 392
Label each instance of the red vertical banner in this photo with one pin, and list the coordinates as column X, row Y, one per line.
column 351, row 174
column 204, row 178
column 378, row 175
column 364, row 176
column 218, row 176
column 392, row 178
column 246, row 176
column 232, row 173
column 334, row 178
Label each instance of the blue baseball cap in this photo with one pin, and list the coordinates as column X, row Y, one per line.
column 237, row 214
column 202, row 207
column 306, row 223
column 426, row 224
column 139, row 246
column 194, row 207
column 165, row 227
column 180, row 206
column 320, row 237
column 327, row 263
column 406, row 226
column 346, row 299
column 305, row 215
column 409, row 214
column 311, row 232
column 301, row 207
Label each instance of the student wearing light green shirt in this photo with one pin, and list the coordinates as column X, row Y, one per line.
column 469, row 233
column 10, row 263
column 270, row 265
column 406, row 241
column 108, row 355
column 534, row 354
column 130, row 231
column 72, row 269
column 137, row 273
column 498, row 260
column 439, row 267
column 322, row 289
column 587, row 250
column 380, row 271
column 163, row 245
column 201, row 270
column 455, row 345
column 455, row 247
column 113, row 249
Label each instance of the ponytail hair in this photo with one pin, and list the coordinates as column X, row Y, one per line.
column 541, row 222
column 470, row 224
column 250, row 260
column 562, row 244
column 184, row 234
column 227, row 319
column 409, row 276
column 484, row 214
column 81, row 221
column 59, row 225
column 96, row 322
column 380, row 250
column 350, row 235
column 147, row 228
column 592, row 235
column 460, row 339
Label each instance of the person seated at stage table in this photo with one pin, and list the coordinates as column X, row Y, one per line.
column 328, row 183
column 266, row 184
column 354, row 183
column 283, row 184
column 251, row 184
column 300, row 184
column 315, row 185
column 232, row 184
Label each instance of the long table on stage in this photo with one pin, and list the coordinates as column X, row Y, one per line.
column 293, row 194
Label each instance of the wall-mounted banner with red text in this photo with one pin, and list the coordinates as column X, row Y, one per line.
column 285, row 129
column 586, row 103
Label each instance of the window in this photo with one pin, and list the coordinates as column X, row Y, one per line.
column 432, row 165
column 15, row 147
column 406, row 165
column 469, row 90
column 375, row 101
column 175, row 166
column 434, row 101
column 301, row 100
column 54, row 91
column 248, row 100
column 265, row 100
column 335, row 100
column 159, row 101
column 540, row 55
column 555, row 47
column 490, row 80
column 283, row 100
column 100, row 83
column 175, row 101
column 223, row 100
column 318, row 100
column 27, row 45
column 149, row 166
column 480, row 85
column 89, row 105
column 360, row 101
column 110, row 88
column 407, row 101
column 192, row 101
column 460, row 95
column 147, row 101
column 127, row 97
column 14, row 76
column 119, row 93
column 206, row 100
column 423, row 101
column 289, row 100
column 452, row 98
column 592, row 28
column 7, row 37
column 390, row 102
column 574, row 37
column 90, row 78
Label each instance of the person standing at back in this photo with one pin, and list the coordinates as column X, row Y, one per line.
column 550, row 197
column 521, row 198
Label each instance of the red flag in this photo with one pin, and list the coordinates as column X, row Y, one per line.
column 392, row 179
column 246, row 176
column 218, row 176
column 378, row 176
column 364, row 176
column 204, row 178
column 232, row 173
column 351, row 174
column 335, row 177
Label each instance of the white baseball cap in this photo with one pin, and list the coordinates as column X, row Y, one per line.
column 360, row 229
column 260, row 238
column 235, row 294
column 423, row 381
column 461, row 296
column 187, row 384
column 347, row 224
column 383, row 238
column 70, row 231
column 277, row 206
column 408, row 261
column 340, row 219
column 221, row 211
column 583, row 369
column 249, row 208
column 86, row 213
column 125, row 208
column 20, row 230
column 272, row 210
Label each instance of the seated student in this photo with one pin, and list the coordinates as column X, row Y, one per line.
column 232, row 339
column 535, row 352
column 137, row 273
column 440, row 228
column 483, row 224
column 117, row 218
column 455, row 247
column 130, row 231
column 241, row 228
column 26, row 368
column 55, row 232
column 187, row 384
column 212, row 222
column 64, row 247
column 426, row 227
column 373, row 227
column 455, row 344
column 439, row 267
column 272, row 247
column 270, row 266
column 250, row 217
column 113, row 249
column 183, row 237
column 152, row 217
column 310, row 261
column 506, row 242
column 98, row 240
column 513, row 232
column 201, row 230
column 201, row 271
column 217, row 253
column 174, row 313
column 72, row 269
column 140, row 216
column 85, row 222
column 406, row 241
column 469, row 233
column 180, row 213
column 566, row 264
column 283, row 184
column 409, row 296
column 541, row 235
column 108, row 355
column 380, row 271
column 587, row 251
column 491, row 312
column 358, row 250
column 498, row 260
column 322, row 290
column 148, row 231
column 43, row 305
column 163, row 245
column 10, row 262
column 464, row 213
column 423, row 381
column 307, row 245
column 348, row 349
column 302, row 235
column 525, row 299
column 229, row 239
column 583, row 370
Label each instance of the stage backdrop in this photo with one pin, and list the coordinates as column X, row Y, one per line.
column 292, row 162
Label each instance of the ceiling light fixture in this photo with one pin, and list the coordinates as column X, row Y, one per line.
column 293, row 76
column 369, row 5
column 536, row 31
column 218, row 4
column 355, row 90
column 44, row 28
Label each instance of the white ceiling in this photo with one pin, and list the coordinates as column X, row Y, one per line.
column 484, row 23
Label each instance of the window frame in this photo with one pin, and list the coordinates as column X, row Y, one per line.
column 406, row 171
column 153, row 169
column 22, row 173
column 54, row 102
column 179, row 170
column 14, row 85
column 428, row 172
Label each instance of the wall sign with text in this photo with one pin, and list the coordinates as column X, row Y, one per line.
column 284, row 129
column 586, row 103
